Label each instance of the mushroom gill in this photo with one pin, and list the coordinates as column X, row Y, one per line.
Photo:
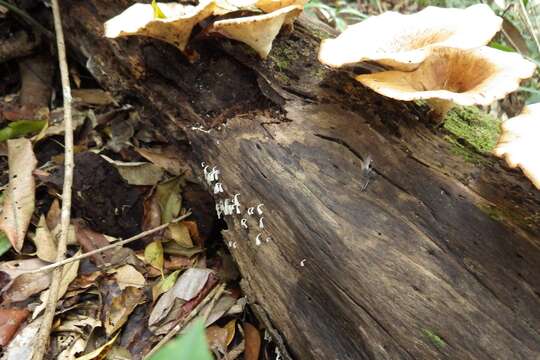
column 454, row 76
column 402, row 42
column 519, row 143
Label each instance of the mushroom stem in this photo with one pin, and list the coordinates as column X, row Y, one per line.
column 439, row 109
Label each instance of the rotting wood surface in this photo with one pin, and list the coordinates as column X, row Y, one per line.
column 436, row 258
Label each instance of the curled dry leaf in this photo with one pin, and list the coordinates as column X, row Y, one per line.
column 220, row 308
column 179, row 232
column 217, row 338
column 519, row 143
column 127, row 275
column 26, row 285
column 191, row 283
column 403, row 42
column 20, row 195
column 44, row 241
column 175, row 28
column 258, row 31
column 164, row 284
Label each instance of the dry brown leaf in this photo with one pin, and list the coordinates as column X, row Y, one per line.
column 44, row 241
column 121, row 307
column 127, row 275
column 231, row 331
column 137, row 173
column 164, row 158
column 10, row 320
column 179, row 232
column 253, row 342
column 20, row 195
column 26, row 285
column 92, row 97
column 190, row 283
column 22, row 346
column 217, row 338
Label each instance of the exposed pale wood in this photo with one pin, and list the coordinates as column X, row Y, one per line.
column 434, row 249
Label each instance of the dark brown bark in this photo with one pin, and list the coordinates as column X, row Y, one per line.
column 436, row 258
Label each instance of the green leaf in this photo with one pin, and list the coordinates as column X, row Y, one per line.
column 153, row 254
column 190, row 346
column 158, row 14
column 21, row 128
column 164, row 284
column 499, row 46
column 5, row 245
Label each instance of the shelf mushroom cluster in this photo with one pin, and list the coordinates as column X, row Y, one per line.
column 178, row 21
column 438, row 55
column 519, row 143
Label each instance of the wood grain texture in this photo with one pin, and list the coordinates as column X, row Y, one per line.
column 418, row 265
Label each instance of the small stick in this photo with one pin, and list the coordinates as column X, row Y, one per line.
column 43, row 336
column 212, row 296
column 108, row 247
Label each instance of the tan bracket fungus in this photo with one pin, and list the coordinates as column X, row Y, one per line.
column 454, row 76
column 403, row 42
column 519, row 143
column 175, row 28
column 258, row 31
column 272, row 5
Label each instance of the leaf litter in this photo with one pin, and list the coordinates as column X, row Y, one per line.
column 120, row 303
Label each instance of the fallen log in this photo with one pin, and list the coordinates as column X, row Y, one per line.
column 436, row 257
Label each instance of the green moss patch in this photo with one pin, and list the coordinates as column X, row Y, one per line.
column 477, row 128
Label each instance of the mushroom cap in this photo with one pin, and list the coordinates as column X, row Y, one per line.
column 175, row 28
column 258, row 31
column 466, row 77
column 402, row 42
column 519, row 143
column 272, row 5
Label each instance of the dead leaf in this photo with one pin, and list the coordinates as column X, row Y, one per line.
column 191, row 283
column 217, row 338
column 179, row 232
column 231, row 331
column 69, row 273
column 169, row 199
column 44, row 241
column 253, row 342
column 172, row 248
column 26, row 285
column 22, row 346
column 119, row 306
column 92, row 97
column 220, row 308
column 177, row 262
column 127, row 275
column 20, row 195
column 91, row 240
column 101, row 351
column 152, row 213
column 15, row 268
column 165, row 159
column 153, row 254
column 162, row 308
column 138, row 173
column 514, row 36
column 10, row 320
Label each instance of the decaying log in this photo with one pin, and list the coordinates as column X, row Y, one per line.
column 435, row 258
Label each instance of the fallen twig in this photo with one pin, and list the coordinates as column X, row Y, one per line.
column 108, row 247
column 43, row 337
column 213, row 296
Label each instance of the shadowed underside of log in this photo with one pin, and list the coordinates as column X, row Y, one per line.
column 417, row 265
